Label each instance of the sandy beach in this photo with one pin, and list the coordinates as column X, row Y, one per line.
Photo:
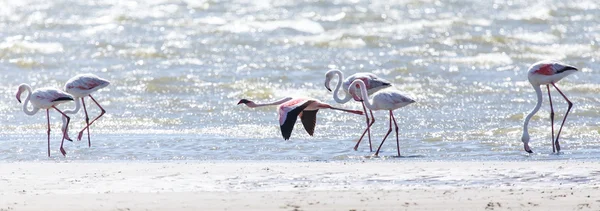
column 370, row 185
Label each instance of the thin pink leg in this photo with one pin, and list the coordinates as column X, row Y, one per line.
column 386, row 135
column 48, row 117
column 92, row 122
column 565, row 118
column 367, row 130
column 62, row 150
column 396, row 124
column 551, row 117
column 87, row 121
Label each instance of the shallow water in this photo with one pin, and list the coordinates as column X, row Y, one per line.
column 178, row 68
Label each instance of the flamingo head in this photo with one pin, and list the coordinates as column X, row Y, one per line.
column 21, row 89
column 328, row 76
column 525, row 140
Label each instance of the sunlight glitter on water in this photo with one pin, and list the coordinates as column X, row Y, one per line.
column 178, row 68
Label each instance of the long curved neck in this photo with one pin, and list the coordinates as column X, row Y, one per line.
column 336, row 93
column 72, row 111
column 26, row 103
column 538, row 92
column 363, row 94
column 254, row 105
column 77, row 107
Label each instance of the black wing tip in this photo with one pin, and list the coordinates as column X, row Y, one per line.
column 63, row 99
column 244, row 101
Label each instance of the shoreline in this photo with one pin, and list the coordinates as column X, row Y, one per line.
column 282, row 185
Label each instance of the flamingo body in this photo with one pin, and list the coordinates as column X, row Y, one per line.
column 546, row 73
column 81, row 86
column 372, row 84
column 44, row 98
column 387, row 99
column 289, row 109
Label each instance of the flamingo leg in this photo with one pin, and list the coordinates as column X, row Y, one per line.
column 396, row 124
column 367, row 130
column 386, row 135
column 48, row 117
column 551, row 117
column 88, row 125
column 62, row 150
column 565, row 118
column 87, row 121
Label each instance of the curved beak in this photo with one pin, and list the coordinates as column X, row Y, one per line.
column 327, row 86
column 19, row 97
column 527, row 149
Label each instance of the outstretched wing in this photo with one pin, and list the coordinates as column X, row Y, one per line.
column 288, row 114
column 309, row 120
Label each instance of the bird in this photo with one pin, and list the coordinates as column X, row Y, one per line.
column 81, row 86
column 45, row 98
column 547, row 73
column 291, row 107
column 387, row 99
column 373, row 84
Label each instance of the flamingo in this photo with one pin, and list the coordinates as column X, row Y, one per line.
column 81, row 86
column 373, row 84
column 387, row 99
column 546, row 73
column 290, row 108
column 45, row 98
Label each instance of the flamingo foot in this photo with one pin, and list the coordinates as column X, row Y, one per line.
column 557, row 147
column 527, row 149
column 355, row 148
column 62, row 150
column 80, row 135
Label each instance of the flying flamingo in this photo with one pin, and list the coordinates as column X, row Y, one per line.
column 290, row 108
column 546, row 73
column 387, row 99
column 81, row 86
column 45, row 98
column 373, row 84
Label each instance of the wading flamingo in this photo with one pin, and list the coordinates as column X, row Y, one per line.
column 81, row 86
column 546, row 73
column 290, row 108
column 387, row 99
column 45, row 98
column 373, row 84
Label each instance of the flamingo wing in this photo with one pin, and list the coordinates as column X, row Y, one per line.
column 309, row 120
column 288, row 114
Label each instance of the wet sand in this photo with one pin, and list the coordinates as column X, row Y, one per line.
column 370, row 185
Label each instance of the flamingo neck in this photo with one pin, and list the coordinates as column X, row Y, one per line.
column 538, row 92
column 254, row 105
column 77, row 106
column 72, row 111
column 336, row 96
column 26, row 103
column 363, row 94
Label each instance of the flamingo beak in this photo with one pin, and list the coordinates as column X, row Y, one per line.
column 527, row 149
column 19, row 97
column 327, row 86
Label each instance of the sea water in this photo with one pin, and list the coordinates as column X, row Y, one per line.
column 178, row 68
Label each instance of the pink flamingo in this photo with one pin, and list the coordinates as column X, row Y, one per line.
column 373, row 84
column 81, row 86
column 290, row 108
column 45, row 98
column 387, row 99
column 546, row 73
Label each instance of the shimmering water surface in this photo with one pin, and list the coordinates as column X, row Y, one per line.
column 178, row 69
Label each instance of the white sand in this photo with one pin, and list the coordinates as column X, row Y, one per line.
column 355, row 185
